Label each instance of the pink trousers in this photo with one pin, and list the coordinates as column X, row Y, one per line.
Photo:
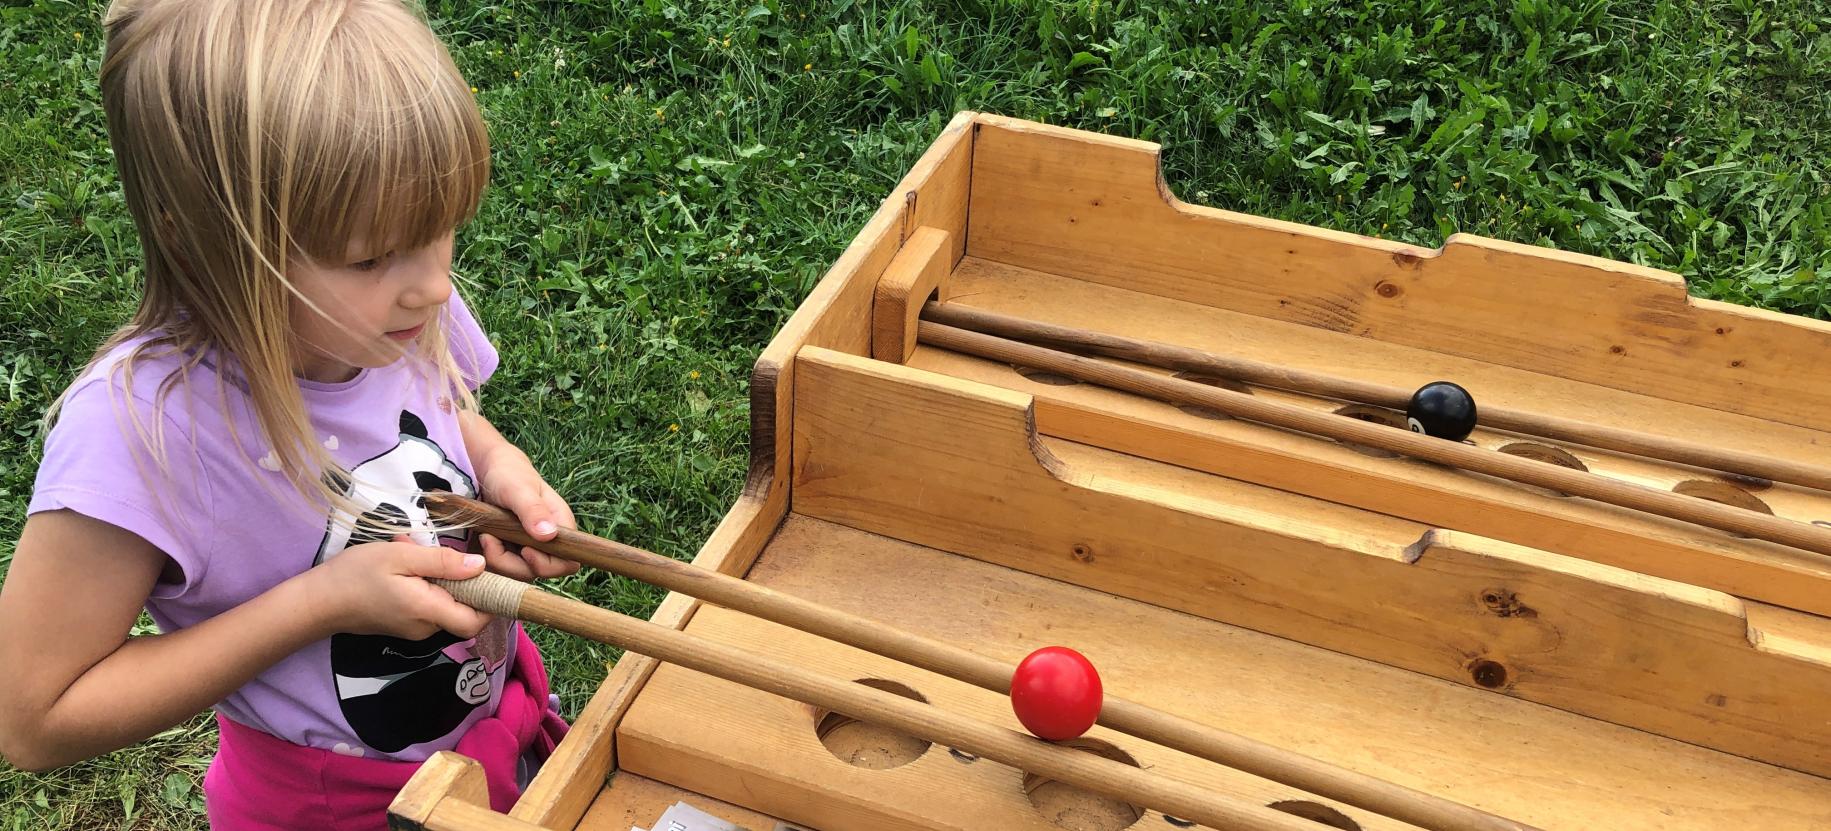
column 259, row 782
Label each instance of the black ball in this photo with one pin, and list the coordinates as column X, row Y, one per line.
column 1443, row 410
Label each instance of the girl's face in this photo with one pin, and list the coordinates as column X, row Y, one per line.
column 378, row 301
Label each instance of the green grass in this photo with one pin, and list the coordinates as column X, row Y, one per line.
column 671, row 179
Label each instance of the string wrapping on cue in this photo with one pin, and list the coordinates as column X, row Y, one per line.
column 487, row 592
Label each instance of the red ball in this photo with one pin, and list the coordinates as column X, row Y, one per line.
column 1056, row 693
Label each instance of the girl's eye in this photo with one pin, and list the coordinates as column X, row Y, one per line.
column 371, row 263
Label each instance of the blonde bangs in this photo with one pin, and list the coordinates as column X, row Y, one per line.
column 389, row 147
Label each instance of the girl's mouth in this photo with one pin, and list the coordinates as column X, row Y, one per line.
column 407, row 334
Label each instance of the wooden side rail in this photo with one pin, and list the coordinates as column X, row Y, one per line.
column 448, row 793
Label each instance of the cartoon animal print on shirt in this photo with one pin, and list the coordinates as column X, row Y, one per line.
column 396, row 693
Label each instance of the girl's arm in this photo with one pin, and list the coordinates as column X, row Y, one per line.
column 77, row 685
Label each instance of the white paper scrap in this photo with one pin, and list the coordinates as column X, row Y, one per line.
column 684, row 817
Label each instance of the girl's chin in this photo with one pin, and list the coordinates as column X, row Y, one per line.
column 339, row 368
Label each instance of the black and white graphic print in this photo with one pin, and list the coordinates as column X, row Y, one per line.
column 396, row 693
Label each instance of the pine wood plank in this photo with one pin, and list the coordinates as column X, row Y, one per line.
column 1792, row 634
column 1535, row 764
column 452, row 815
column 1095, row 208
column 956, row 465
column 1405, row 487
column 443, row 777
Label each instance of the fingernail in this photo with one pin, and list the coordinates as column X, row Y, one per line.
column 473, row 560
column 545, row 527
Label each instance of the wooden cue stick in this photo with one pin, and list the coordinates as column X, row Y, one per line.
column 1172, row 356
column 1454, row 454
column 1200, row 740
column 501, row 595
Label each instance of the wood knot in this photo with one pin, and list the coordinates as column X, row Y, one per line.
column 1083, row 552
column 1387, row 289
column 1489, row 674
column 1504, row 603
column 1407, row 259
column 1618, row 350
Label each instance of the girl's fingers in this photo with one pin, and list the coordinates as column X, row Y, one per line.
column 503, row 561
column 547, row 565
column 562, row 513
column 457, row 618
column 527, row 504
column 439, row 561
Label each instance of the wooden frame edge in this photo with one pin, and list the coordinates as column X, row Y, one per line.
column 1616, row 324
column 1153, row 151
column 444, row 780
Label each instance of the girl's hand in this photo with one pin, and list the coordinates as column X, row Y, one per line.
column 510, row 481
column 379, row 588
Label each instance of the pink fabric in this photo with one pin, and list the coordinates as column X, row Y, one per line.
column 262, row 783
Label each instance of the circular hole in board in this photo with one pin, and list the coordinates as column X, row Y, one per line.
column 1548, row 454
column 1375, row 415
column 1043, row 376
column 1075, row 809
column 1212, row 381
column 1317, row 812
column 1723, row 493
column 866, row 745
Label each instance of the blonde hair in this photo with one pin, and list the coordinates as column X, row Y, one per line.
column 251, row 133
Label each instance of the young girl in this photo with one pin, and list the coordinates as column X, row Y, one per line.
column 244, row 458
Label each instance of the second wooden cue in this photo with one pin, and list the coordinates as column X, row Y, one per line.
column 1454, row 454
column 500, row 595
column 1200, row 740
column 1175, row 357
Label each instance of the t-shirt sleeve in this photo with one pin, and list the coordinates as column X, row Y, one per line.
column 475, row 356
column 99, row 463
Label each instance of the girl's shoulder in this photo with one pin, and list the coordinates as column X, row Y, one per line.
column 146, row 380
column 123, row 449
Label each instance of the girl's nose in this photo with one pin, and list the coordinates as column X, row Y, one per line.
column 431, row 285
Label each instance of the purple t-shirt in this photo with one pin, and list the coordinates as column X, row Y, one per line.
column 235, row 528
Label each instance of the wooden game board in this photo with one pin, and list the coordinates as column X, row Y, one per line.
column 1558, row 661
